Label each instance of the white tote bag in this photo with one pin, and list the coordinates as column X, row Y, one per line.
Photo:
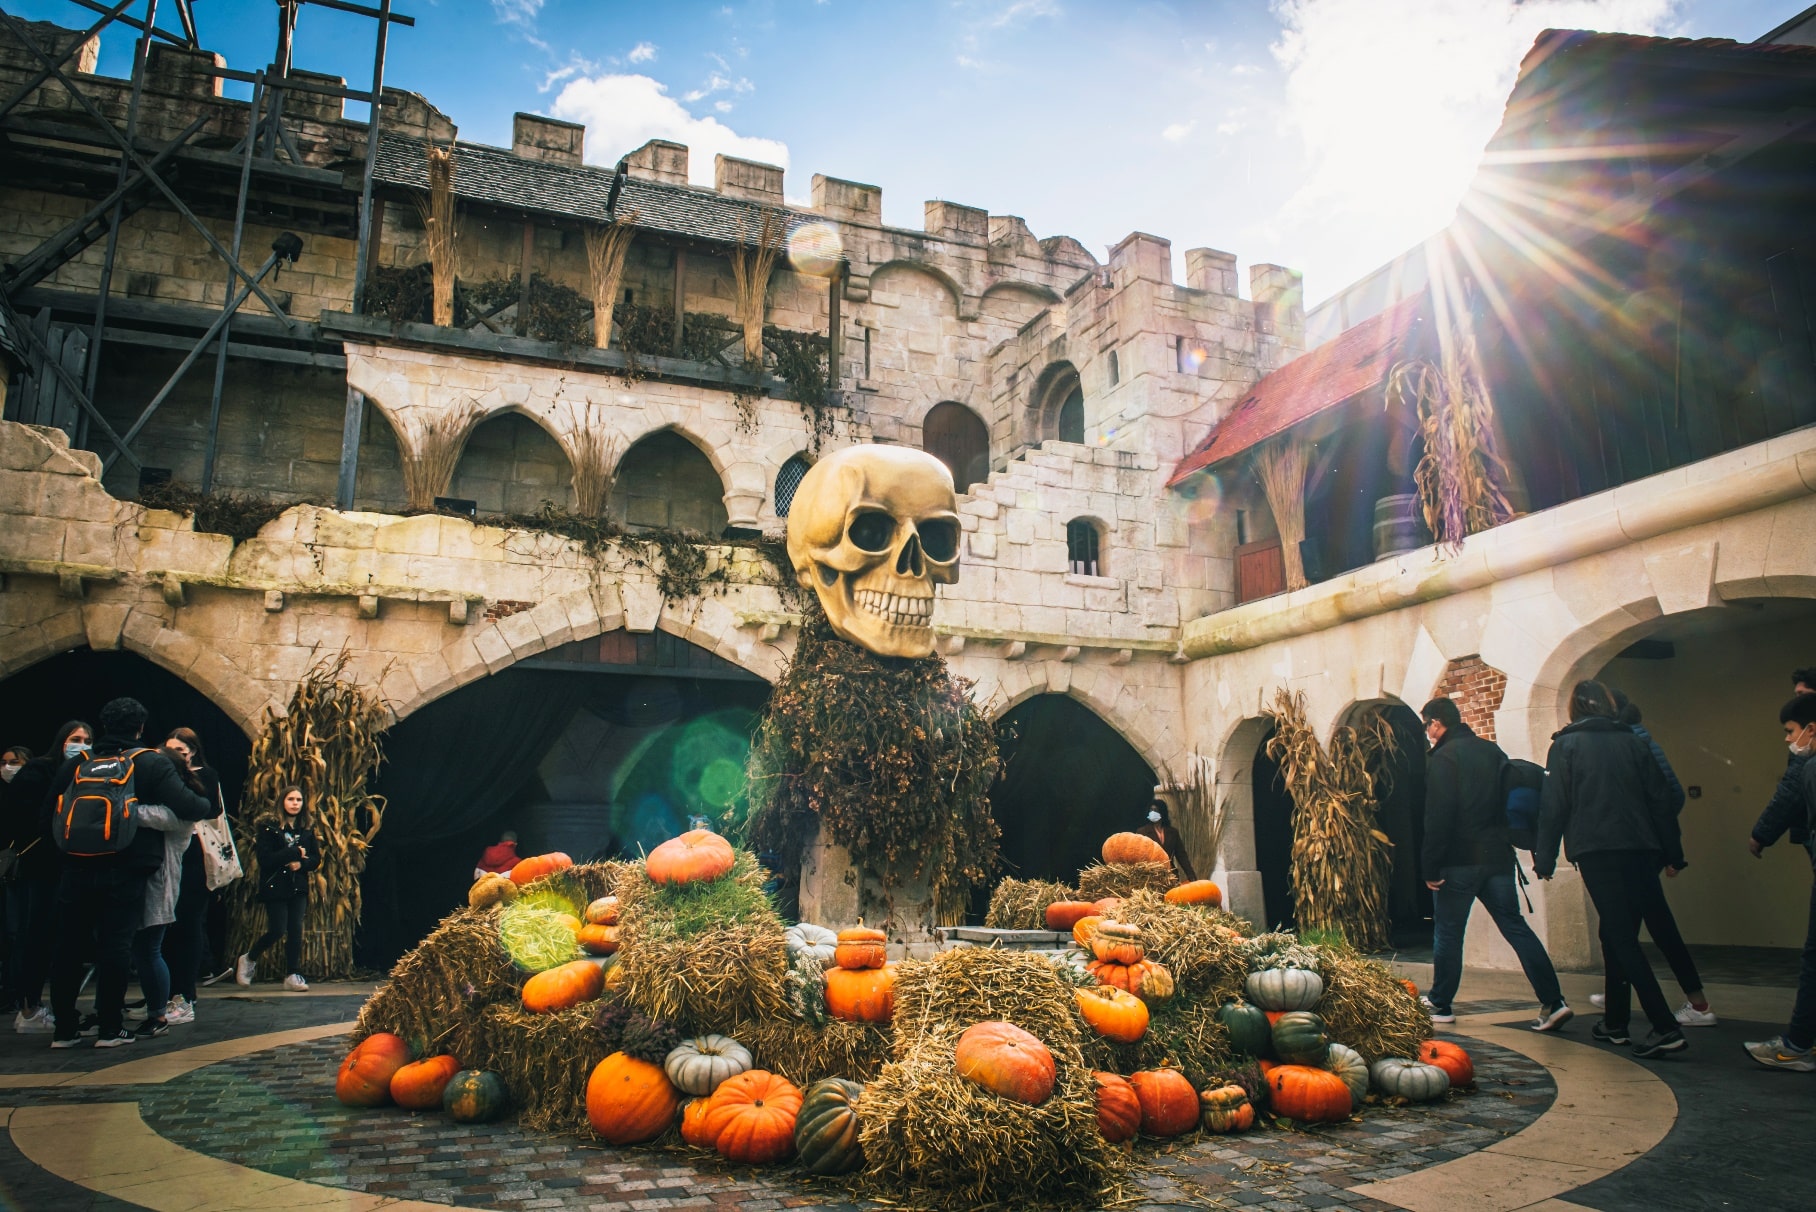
column 220, row 857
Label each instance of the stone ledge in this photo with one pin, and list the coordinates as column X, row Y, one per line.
column 782, row 619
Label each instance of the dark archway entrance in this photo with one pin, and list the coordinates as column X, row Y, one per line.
column 1400, row 790
column 1273, row 839
column 600, row 748
column 1070, row 781
column 958, row 437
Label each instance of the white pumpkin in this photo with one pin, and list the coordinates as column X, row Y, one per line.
column 1285, row 988
column 809, row 939
column 697, row 1066
column 1411, row 1080
column 1348, row 1064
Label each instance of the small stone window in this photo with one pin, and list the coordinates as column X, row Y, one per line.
column 1083, row 548
column 1115, row 369
column 787, row 480
column 1072, row 417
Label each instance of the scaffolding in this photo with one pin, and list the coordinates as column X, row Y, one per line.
column 63, row 362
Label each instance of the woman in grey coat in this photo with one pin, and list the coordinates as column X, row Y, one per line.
column 161, row 892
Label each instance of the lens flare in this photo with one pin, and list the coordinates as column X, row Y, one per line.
column 1197, row 499
column 815, row 249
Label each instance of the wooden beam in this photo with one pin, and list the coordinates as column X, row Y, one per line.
column 523, row 278
column 680, row 297
column 353, row 422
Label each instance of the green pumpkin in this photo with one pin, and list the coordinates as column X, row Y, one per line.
column 826, row 1129
column 1411, row 1080
column 1248, row 1028
column 1300, row 1039
column 475, row 1096
column 1348, row 1064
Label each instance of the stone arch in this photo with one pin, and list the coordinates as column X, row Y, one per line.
column 1037, row 292
column 1237, row 868
column 1105, row 701
column 904, row 265
column 958, row 437
column 531, row 458
column 661, row 481
column 1056, row 406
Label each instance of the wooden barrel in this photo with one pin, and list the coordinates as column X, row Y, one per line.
column 1399, row 525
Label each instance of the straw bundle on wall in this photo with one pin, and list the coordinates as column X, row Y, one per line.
column 594, row 456
column 1366, row 1007
column 804, row 1053
column 1281, row 465
column 433, row 451
column 606, row 246
column 437, row 213
column 751, row 265
column 544, row 1059
column 1022, row 904
column 1124, row 879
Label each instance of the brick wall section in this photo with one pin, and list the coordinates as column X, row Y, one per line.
column 1478, row 689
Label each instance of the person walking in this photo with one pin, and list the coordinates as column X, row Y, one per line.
column 1159, row 827
column 1605, row 801
column 1467, row 857
column 32, row 894
column 101, row 891
column 186, row 942
column 1784, row 812
column 286, row 853
column 1791, row 1049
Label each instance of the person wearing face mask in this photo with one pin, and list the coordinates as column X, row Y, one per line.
column 32, row 893
column 1784, row 812
column 1792, row 1048
column 1160, row 828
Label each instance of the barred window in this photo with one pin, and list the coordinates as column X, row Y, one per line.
column 787, row 480
column 1082, row 554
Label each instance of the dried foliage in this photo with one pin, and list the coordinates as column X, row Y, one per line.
column 556, row 312
column 1183, row 1035
column 327, row 743
column 439, row 235
column 594, row 456
column 1198, row 814
column 1281, row 464
column 751, row 264
column 1121, row 879
column 1340, row 862
column 1366, row 1007
column 890, row 757
column 804, row 1053
column 433, row 451
column 238, row 515
column 1022, row 904
column 606, row 246
column 436, row 992
column 401, row 294
column 544, row 1059
column 1202, row 948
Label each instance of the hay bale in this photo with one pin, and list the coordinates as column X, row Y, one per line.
column 438, row 990
column 1366, row 1007
column 970, row 985
column 544, row 1059
column 804, row 1053
column 1022, row 904
column 1181, row 1035
column 1208, row 963
column 581, row 884
column 1123, row 879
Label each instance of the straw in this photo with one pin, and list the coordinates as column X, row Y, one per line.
column 544, row 1059
column 1022, row 904
column 804, row 1053
column 1121, row 879
column 1366, row 1007
column 437, row 991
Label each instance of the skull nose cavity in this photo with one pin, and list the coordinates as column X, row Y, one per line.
column 909, row 563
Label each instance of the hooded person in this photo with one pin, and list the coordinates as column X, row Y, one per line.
column 1159, row 827
column 499, row 857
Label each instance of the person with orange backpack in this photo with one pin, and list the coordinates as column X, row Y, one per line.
column 93, row 817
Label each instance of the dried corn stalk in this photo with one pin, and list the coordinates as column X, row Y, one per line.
column 437, row 212
column 430, row 458
column 1340, row 861
column 751, row 265
column 1281, row 465
column 606, row 246
column 327, row 743
column 594, row 455
column 1197, row 813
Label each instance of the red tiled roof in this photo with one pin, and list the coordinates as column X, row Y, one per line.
column 1327, row 376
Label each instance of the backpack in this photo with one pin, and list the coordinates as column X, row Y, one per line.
column 95, row 817
column 1525, row 781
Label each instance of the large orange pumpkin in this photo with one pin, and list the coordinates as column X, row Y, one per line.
column 751, row 1117
column 693, row 1124
column 563, row 987
column 629, row 1101
column 420, row 1086
column 1127, row 977
column 1005, row 1060
column 603, row 912
column 1313, row 1095
column 861, row 947
column 1117, row 943
column 365, row 1076
column 1133, row 848
column 1113, row 1013
column 1108, row 906
column 1169, row 1105
column 696, row 856
column 1197, row 892
column 1063, row 915
column 598, row 939
column 538, row 865
column 861, row 995
column 1118, row 1108
column 1451, row 1058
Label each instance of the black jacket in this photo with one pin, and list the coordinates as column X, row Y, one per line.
column 1604, row 791
column 22, row 821
column 277, row 846
column 1787, row 809
column 155, row 780
column 1465, row 804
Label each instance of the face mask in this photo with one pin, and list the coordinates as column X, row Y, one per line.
column 1803, row 750
column 1155, row 817
column 8, row 771
column 74, row 749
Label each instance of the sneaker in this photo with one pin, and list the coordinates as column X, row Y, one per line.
column 38, row 1020
column 138, row 1014
column 153, row 1028
column 243, row 971
column 179, row 1011
column 1554, row 1018
column 1598, row 1000
column 1660, row 1043
column 115, row 1041
column 89, row 1025
column 1777, row 1054
column 1439, row 1014
column 220, row 976
column 296, row 984
column 1690, row 1016
column 66, row 1041
column 1604, row 1034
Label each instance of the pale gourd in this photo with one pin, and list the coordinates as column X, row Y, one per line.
column 815, row 941
column 697, row 1066
column 1285, row 988
column 1414, row 1081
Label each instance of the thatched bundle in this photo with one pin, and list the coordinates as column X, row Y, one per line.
column 1366, row 1007
column 977, row 985
column 1182, row 1034
column 1123, row 879
column 804, row 1053
column 437, row 991
column 1202, row 948
column 544, row 1059
column 1022, row 904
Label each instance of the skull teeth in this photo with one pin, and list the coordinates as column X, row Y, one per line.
column 895, row 608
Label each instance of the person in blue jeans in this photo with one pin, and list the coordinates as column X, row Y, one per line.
column 1468, row 857
column 1792, row 1049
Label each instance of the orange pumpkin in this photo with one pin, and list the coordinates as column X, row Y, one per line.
column 693, row 1124
column 1451, row 1058
column 603, row 912
column 751, row 1117
column 563, row 987
column 419, row 1086
column 365, row 1076
column 598, row 939
column 1108, row 906
column 538, row 865
column 1412, row 990
column 694, row 857
column 1113, row 1013
column 1301, row 1092
column 1117, row 943
column 629, row 1101
column 861, row 995
column 1063, row 915
column 1197, row 892
column 1118, row 1108
column 1133, row 848
column 860, row 947
column 1081, row 930
column 1169, row 1105
column 1005, row 1060
column 570, row 921
column 1127, row 977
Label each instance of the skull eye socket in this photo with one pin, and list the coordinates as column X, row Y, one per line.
column 871, row 531
column 939, row 539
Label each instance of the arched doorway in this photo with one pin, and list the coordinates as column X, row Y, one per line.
column 1060, row 404
column 510, row 464
column 1273, row 839
column 1070, row 781
column 1399, row 776
column 600, row 748
column 665, row 482
column 958, row 437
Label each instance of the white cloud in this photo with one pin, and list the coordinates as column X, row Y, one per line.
column 1178, row 131
column 622, row 112
column 517, row 12
column 718, row 82
column 643, row 52
column 1020, row 10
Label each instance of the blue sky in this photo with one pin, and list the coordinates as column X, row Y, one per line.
column 1327, row 135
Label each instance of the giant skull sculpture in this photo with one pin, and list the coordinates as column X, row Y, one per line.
column 873, row 529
